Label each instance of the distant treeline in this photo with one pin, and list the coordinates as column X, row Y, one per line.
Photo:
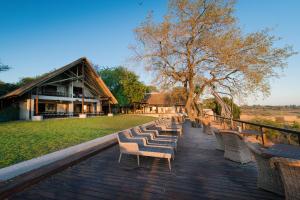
column 271, row 107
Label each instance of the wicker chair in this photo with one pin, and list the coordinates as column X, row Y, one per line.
column 268, row 178
column 219, row 138
column 235, row 147
column 206, row 126
column 290, row 175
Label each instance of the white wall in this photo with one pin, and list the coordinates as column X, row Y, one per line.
column 24, row 112
column 24, row 109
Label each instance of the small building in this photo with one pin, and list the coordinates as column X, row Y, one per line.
column 160, row 103
column 68, row 91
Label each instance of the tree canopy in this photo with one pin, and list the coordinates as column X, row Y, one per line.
column 124, row 85
column 3, row 67
column 8, row 87
column 200, row 46
column 151, row 88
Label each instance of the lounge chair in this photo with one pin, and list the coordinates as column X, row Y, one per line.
column 268, row 177
column 157, row 135
column 169, row 123
column 150, row 140
column 138, row 147
column 235, row 147
column 290, row 175
column 168, row 128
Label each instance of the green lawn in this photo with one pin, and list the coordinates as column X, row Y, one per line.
column 21, row 141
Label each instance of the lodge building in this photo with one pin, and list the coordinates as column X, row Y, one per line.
column 68, row 91
column 160, row 103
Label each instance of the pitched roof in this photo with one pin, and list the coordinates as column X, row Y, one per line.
column 91, row 73
column 163, row 99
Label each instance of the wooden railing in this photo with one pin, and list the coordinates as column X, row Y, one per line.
column 54, row 93
column 261, row 127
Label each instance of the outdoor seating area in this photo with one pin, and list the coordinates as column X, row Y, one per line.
column 278, row 165
column 171, row 99
column 146, row 141
column 199, row 171
column 166, row 125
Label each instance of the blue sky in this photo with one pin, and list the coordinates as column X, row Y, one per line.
column 37, row 36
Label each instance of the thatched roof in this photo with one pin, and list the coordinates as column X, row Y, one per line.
column 160, row 99
column 91, row 77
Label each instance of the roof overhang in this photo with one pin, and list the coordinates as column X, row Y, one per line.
column 93, row 77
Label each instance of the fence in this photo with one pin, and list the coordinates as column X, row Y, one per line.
column 292, row 136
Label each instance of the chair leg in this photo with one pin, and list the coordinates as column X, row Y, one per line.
column 138, row 160
column 120, row 157
column 169, row 161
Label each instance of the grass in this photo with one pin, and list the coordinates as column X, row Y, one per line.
column 21, row 141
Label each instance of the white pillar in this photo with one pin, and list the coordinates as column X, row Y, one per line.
column 70, row 90
column 99, row 106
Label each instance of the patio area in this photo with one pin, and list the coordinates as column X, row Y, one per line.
column 198, row 171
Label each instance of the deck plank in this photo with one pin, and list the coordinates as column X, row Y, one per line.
column 199, row 171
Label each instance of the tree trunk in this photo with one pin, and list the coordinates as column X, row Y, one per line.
column 189, row 101
column 195, row 99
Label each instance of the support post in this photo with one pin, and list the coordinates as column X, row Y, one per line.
column 37, row 103
column 109, row 107
column 120, row 157
column 30, row 114
column 262, row 136
column 82, row 100
column 243, row 126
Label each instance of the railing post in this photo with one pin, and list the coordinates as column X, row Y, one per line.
column 262, row 135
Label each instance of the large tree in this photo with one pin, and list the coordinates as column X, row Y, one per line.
column 200, row 45
column 124, row 85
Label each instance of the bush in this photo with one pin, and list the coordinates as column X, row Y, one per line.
column 274, row 135
column 9, row 113
column 216, row 107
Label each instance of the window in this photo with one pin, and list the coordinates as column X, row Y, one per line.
column 77, row 91
column 50, row 107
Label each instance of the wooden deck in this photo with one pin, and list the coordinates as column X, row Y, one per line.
column 199, row 172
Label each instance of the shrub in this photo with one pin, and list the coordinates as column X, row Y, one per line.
column 9, row 113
